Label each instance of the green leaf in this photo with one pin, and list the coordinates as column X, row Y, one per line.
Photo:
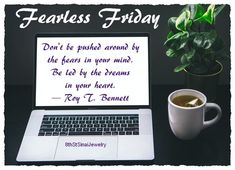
column 218, row 10
column 198, row 41
column 183, row 22
column 187, row 7
column 205, row 39
column 209, row 39
column 174, row 53
column 207, row 44
column 170, row 52
column 183, row 59
column 171, row 24
column 177, row 41
column 186, row 58
column 208, row 16
column 181, row 67
column 170, row 34
column 196, row 11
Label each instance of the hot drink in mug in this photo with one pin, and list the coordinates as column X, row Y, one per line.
column 186, row 112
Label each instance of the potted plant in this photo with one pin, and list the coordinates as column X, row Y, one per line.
column 194, row 40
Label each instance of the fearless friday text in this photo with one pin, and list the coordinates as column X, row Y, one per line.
column 109, row 15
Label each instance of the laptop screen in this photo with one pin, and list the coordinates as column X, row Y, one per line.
column 92, row 70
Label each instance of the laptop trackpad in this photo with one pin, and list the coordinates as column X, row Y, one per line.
column 86, row 148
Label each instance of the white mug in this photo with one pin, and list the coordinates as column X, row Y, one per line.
column 187, row 122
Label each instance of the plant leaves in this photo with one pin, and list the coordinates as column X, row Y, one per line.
column 186, row 58
column 170, row 52
column 193, row 38
column 198, row 40
column 209, row 39
column 183, row 22
column 175, row 37
column 196, row 11
column 170, row 34
column 183, row 59
column 174, row 53
column 205, row 39
column 208, row 16
column 171, row 24
column 177, row 41
column 181, row 67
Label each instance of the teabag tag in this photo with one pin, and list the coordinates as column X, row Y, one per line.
column 192, row 103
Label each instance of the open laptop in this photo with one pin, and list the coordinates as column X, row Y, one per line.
column 91, row 99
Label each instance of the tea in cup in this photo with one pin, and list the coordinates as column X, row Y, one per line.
column 186, row 112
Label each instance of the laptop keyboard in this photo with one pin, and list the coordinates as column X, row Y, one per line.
column 70, row 125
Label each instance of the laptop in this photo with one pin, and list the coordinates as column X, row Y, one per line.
column 91, row 99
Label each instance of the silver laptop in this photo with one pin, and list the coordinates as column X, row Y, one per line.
column 91, row 99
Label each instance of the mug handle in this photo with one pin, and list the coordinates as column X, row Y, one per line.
column 209, row 106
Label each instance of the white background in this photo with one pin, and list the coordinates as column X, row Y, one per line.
column 154, row 2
